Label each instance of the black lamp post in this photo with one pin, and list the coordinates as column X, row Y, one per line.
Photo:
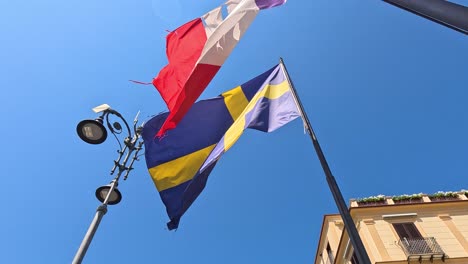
column 94, row 132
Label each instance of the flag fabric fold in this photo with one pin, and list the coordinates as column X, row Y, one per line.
column 197, row 50
column 181, row 161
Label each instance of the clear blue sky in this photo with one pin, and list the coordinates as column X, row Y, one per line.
column 386, row 92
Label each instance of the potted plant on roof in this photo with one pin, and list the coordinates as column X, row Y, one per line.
column 407, row 198
column 443, row 196
column 371, row 200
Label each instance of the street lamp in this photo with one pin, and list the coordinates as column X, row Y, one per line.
column 94, row 132
column 103, row 191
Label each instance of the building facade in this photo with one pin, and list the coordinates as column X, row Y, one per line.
column 401, row 229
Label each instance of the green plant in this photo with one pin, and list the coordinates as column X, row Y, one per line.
column 371, row 199
column 440, row 194
column 405, row 197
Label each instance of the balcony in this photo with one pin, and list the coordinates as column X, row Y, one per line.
column 421, row 248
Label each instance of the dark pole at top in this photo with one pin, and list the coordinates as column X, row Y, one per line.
column 449, row 14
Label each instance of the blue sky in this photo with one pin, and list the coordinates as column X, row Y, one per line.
column 385, row 90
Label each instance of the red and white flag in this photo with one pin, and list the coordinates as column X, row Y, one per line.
column 196, row 51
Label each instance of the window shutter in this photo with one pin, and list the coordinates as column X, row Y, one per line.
column 407, row 230
column 412, row 230
column 400, row 229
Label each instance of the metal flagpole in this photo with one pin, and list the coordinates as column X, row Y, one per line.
column 350, row 227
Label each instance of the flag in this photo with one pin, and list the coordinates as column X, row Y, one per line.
column 181, row 161
column 196, row 51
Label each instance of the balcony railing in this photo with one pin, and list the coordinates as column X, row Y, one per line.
column 421, row 248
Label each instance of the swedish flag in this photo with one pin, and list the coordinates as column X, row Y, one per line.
column 181, row 161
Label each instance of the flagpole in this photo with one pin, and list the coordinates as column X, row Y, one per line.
column 350, row 227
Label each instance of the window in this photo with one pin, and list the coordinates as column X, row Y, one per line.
column 354, row 259
column 411, row 240
column 330, row 254
column 407, row 230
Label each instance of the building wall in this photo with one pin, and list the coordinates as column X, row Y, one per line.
column 446, row 221
column 334, row 229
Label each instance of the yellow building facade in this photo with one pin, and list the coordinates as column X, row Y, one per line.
column 400, row 230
